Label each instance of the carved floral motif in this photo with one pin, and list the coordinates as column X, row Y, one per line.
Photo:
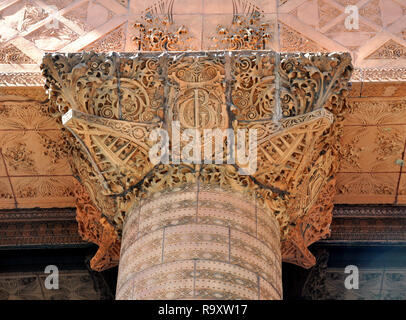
column 390, row 50
column 350, row 153
column 44, row 188
column 293, row 41
column 388, row 143
column 158, row 31
column 308, row 81
column 54, row 148
column 18, row 157
column 11, row 54
column 20, row 20
column 246, row 31
column 114, row 41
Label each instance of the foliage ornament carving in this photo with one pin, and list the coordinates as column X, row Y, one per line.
column 158, row 31
column 111, row 103
column 246, row 31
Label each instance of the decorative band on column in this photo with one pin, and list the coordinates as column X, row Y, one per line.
column 200, row 242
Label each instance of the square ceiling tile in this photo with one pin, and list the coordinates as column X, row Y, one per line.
column 75, row 285
column 366, row 188
column 393, row 295
column 20, row 287
column 19, row 18
column 23, row 116
column 44, row 192
column 372, row 148
column 394, row 280
column 375, row 111
column 293, row 40
column 34, row 153
column 89, row 15
column 238, row 6
column 52, row 36
column 157, row 7
column 188, row 7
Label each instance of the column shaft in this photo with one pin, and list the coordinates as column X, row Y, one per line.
column 200, row 242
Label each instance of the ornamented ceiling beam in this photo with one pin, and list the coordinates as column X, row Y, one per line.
column 111, row 103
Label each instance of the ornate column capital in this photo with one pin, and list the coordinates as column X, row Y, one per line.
column 111, row 104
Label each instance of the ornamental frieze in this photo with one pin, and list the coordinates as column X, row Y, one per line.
column 114, row 106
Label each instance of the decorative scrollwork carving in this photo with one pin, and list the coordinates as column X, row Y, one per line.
column 246, row 31
column 254, row 86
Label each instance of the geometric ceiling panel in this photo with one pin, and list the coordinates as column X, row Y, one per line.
column 351, row 38
column 381, row 28
column 293, row 41
column 112, row 41
column 372, row 12
column 11, row 54
column 389, row 50
column 327, row 12
column 29, row 28
column 52, row 38
column 391, row 11
column 372, row 166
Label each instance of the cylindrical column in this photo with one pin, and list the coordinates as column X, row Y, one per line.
column 200, row 242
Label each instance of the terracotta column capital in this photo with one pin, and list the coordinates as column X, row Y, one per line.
column 112, row 103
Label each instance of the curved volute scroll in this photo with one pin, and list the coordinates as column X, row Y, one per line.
column 111, row 105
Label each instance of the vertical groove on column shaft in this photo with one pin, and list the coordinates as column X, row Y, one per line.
column 163, row 245
column 278, row 109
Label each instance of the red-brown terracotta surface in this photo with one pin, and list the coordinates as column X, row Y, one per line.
column 199, row 243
